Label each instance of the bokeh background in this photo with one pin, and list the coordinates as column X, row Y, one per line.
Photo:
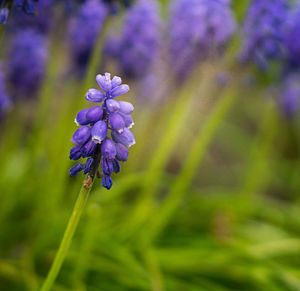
column 209, row 197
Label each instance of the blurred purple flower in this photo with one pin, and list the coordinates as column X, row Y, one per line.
column 264, row 32
column 27, row 56
column 289, row 100
column 198, row 29
column 91, row 139
column 139, row 42
column 84, row 29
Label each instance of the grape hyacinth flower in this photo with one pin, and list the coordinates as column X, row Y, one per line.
column 289, row 100
column 27, row 56
column 198, row 29
column 140, row 37
column 83, row 31
column 264, row 32
column 92, row 139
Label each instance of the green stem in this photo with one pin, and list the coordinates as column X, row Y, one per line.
column 67, row 238
column 72, row 224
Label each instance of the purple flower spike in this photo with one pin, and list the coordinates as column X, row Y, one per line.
column 81, row 117
column 75, row 153
column 126, row 107
column 94, row 114
column 99, row 131
column 84, row 28
column 116, row 122
column 106, row 181
column 108, row 149
column 81, row 135
column 88, row 165
column 94, row 95
column 26, row 62
column 116, row 81
column 104, row 82
column 126, row 137
column 112, row 105
column 264, row 31
column 140, row 38
column 122, row 152
column 74, row 171
column 92, row 141
column 107, row 166
column 198, row 29
column 88, row 149
column 119, row 90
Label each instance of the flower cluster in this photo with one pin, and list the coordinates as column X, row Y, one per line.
column 264, row 32
column 27, row 6
column 27, row 55
column 83, row 31
column 139, row 42
column 197, row 29
column 91, row 139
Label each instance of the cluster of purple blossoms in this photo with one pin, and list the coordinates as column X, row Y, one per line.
column 91, row 139
column 264, row 32
column 5, row 102
column 27, row 56
column 83, row 31
column 140, row 37
column 198, row 29
column 289, row 100
column 27, row 6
